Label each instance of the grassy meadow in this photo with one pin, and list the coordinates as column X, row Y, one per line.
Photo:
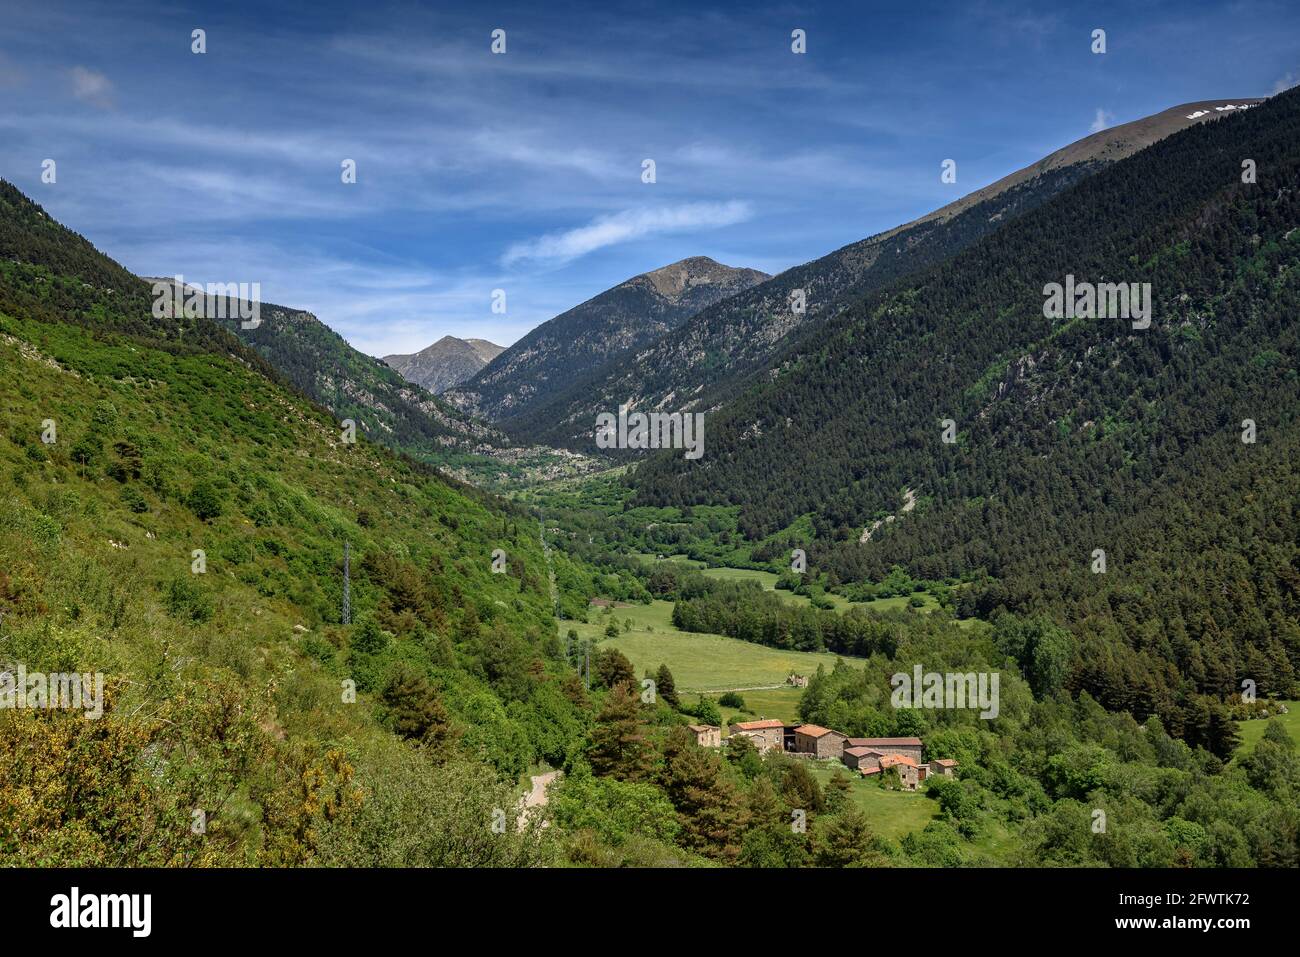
column 893, row 814
column 1252, row 731
column 698, row 662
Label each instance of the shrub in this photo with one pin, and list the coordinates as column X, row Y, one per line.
column 186, row 601
column 133, row 499
column 205, row 501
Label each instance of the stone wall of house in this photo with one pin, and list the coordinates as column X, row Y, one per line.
column 766, row 739
column 912, row 751
column 830, row 745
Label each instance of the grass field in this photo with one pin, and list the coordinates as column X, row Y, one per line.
column 677, row 559
column 768, row 580
column 1252, row 731
column 893, row 814
column 698, row 662
column 782, row 703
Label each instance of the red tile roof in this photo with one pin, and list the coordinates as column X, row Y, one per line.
column 945, row 762
column 813, row 730
column 885, row 742
column 758, row 725
column 862, row 752
column 889, row 760
column 698, row 728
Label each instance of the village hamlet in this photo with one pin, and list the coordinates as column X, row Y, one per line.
column 900, row 758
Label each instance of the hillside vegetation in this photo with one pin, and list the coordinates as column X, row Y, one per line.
column 174, row 517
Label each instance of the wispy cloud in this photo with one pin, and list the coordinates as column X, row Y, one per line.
column 522, row 171
column 561, row 247
column 1284, row 84
column 1102, row 120
column 91, row 86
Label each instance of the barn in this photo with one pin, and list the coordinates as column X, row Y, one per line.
column 818, row 741
column 908, row 747
column 861, row 759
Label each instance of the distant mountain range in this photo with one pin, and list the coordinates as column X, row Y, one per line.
column 563, row 353
column 446, row 363
column 698, row 364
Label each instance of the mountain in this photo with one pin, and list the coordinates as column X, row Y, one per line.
column 1138, row 483
column 174, row 516
column 698, row 364
column 564, row 351
column 385, row 406
column 353, row 385
column 446, row 363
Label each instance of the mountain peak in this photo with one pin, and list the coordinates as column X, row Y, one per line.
column 446, row 363
column 675, row 279
column 564, row 350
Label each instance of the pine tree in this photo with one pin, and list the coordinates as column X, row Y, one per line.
column 801, row 790
column 618, row 743
column 838, row 792
column 709, row 809
column 666, row 687
column 845, row 840
column 612, row 668
column 417, row 713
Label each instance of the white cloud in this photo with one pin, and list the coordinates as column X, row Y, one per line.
column 380, row 306
column 92, row 86
column 1284, row 84
column 1101, row 121
column 561, row 247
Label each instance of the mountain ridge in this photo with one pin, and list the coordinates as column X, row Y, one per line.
column 707, row 356
column 563, row 350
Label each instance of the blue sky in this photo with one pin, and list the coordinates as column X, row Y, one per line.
column 523, row 171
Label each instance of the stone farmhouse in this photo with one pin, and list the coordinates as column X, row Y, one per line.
column 767, row 735
column 706, row 735
column 910, row 774
column 818, row 741
column 862, row 759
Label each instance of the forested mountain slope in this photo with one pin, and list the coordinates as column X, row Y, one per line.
column 175, row 516
column 564, row 351
column 302, row 350
column 700, row 363
column 353, row 385
column 1072, row 435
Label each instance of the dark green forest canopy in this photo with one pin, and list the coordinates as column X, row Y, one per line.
column 1071, row 435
